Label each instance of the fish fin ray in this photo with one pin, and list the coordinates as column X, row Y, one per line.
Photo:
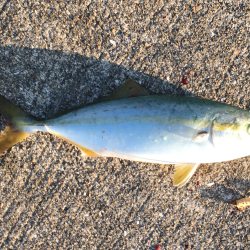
column 183, row 173
column 129, row 88
column 16, row 120
column 11, row 112
column 211, row 132
column 205, row 135
column 201, row 136
column 85, row 151
column 10, row 136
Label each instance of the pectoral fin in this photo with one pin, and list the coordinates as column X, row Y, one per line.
column 205, row 135
column 183, row 173
column 201, row 136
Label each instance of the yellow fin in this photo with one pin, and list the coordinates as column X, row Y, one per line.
column 10, row 137
column 128, row 89
column 16, row 120
column 183, row 173
column 86, row 151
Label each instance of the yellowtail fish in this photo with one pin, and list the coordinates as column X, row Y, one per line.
column 164, row 129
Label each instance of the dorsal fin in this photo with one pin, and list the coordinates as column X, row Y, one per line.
column 128, row 89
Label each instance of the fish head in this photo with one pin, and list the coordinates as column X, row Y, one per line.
column 231, row 137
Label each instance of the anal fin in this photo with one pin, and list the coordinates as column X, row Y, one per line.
column 85, row 151
column 183, row 173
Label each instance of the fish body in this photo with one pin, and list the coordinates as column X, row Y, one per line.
column 163, row 129
column 156, row 128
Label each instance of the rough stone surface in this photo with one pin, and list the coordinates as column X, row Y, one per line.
column 55, row 55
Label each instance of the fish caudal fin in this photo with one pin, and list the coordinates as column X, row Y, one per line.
column 15, row 119
column 10, row 137
column 183, row 173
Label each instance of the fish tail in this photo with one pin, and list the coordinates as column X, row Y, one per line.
column 16, row 121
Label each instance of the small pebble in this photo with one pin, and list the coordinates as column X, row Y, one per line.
column 210, row 184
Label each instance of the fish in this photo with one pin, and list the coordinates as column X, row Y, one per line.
column 136, row 124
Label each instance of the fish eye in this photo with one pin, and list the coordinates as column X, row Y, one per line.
column 248, row 129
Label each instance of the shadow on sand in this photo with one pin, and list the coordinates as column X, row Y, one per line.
column 44, row 82
column 232, row 190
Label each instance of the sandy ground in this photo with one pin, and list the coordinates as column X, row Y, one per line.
column 55, row 55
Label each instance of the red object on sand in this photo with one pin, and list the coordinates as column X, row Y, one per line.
column 184, row 80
